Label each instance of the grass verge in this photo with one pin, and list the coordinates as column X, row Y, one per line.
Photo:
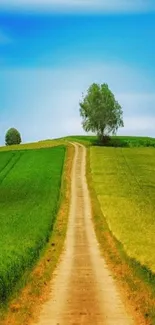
column 33, row 289
column 114, row 141
column 136, row 283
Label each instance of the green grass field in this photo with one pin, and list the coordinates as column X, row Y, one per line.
column 30, row 184
column 115, row 141
column 124, row 180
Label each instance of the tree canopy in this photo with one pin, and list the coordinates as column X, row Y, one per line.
column 100, row 111
column 12, row 137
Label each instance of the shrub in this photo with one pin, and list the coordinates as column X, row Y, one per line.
column 12, row 137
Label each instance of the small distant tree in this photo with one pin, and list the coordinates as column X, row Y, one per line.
column 12, row 137
column 100, row 111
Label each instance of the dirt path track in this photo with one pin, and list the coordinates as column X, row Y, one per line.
column 82, row 290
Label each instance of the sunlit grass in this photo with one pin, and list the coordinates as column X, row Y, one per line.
column 114, row 141
column 124, row 180
column 33, row 145
column 30, row 184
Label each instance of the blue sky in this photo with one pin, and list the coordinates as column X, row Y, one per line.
column 52, row 50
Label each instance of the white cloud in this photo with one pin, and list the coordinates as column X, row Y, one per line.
column 44, row 103
column 144, row 103
column 139, row 125
column 72, row 125
column 81, row 5
column 139, row 113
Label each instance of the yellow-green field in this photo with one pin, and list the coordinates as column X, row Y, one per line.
column 124, row 180
column 33, row 145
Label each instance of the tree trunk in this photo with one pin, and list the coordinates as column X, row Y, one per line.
column 103, row 139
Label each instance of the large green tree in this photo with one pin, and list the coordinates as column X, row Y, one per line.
column 100, row 111
column 12, row 137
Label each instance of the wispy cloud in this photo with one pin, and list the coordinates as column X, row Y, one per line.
column 144, row 103
column 139, row 125
column 44, row 103
column 139, row 116
column 104, row 6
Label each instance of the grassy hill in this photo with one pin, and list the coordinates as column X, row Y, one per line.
column 124, row 181
column 33, row 145
column 30, row 183
column 115, row 141
column 123, row 177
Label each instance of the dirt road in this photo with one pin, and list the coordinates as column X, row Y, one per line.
column 82, row 290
